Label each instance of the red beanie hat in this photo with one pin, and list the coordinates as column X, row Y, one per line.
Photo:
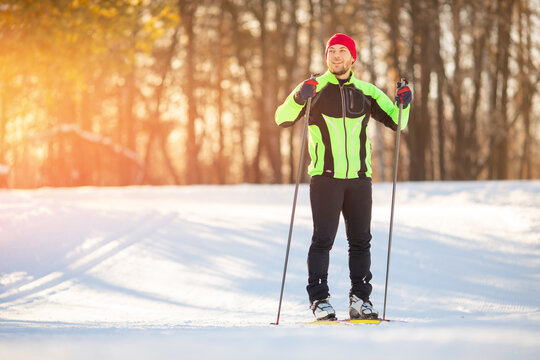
column 342, row 39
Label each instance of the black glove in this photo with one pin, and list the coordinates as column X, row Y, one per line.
column 306, row 91
column 404, row 94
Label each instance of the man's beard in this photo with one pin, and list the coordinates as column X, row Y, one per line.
column 344, row 71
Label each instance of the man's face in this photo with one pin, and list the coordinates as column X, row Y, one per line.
column 339, row 60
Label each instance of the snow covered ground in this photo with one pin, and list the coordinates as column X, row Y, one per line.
column 195, row 273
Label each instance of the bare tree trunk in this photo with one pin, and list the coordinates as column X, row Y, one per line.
column 499, row 108
column 418, row 139
column 192, row 169
column 483, row 18
column 127, row 136
column 527, row 88
column 70, row 150
column 87, row 161
column 249, row 164
column 456, row 91
column 392, row 18
column 269, row 139
column 441, row 85
column 220, row 158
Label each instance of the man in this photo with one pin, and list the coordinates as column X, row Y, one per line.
column 340, row 167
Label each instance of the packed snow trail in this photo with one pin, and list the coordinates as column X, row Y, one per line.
column 91, row 269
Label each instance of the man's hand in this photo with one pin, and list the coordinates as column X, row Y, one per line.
column 306, row 91
column 404, row 93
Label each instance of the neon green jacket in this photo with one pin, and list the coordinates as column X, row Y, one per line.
column 338, row 125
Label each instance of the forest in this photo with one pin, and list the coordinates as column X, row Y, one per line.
column 178, row 92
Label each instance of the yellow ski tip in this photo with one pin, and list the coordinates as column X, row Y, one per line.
column 345, row 322
column 363, row 321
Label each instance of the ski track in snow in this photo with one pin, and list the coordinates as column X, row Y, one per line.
column 154, row 272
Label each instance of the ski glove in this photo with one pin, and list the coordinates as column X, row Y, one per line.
column 306, row 91
column 404, row 94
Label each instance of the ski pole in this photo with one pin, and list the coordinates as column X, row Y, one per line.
column 402, row 84
column 298, row 174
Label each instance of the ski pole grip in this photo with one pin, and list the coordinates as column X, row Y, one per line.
column 402, row 83
column 312, row 78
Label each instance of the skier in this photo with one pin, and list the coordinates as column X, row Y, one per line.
column 340, row 169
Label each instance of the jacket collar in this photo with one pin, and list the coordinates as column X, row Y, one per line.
column 334, row 80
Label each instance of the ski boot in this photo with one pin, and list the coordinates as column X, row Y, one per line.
column 360, row 309
column 323, row 310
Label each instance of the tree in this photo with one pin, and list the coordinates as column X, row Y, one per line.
column 110, row 92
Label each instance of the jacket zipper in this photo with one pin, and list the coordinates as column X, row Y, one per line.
column 344, row 128
column 316, row 155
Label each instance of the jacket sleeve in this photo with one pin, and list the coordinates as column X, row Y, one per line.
column 384, row 110
column 290, row 111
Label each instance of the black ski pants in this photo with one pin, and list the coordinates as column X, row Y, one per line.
column 329, row 198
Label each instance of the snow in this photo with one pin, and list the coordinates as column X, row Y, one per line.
column 194, row 272
column 88, row 136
